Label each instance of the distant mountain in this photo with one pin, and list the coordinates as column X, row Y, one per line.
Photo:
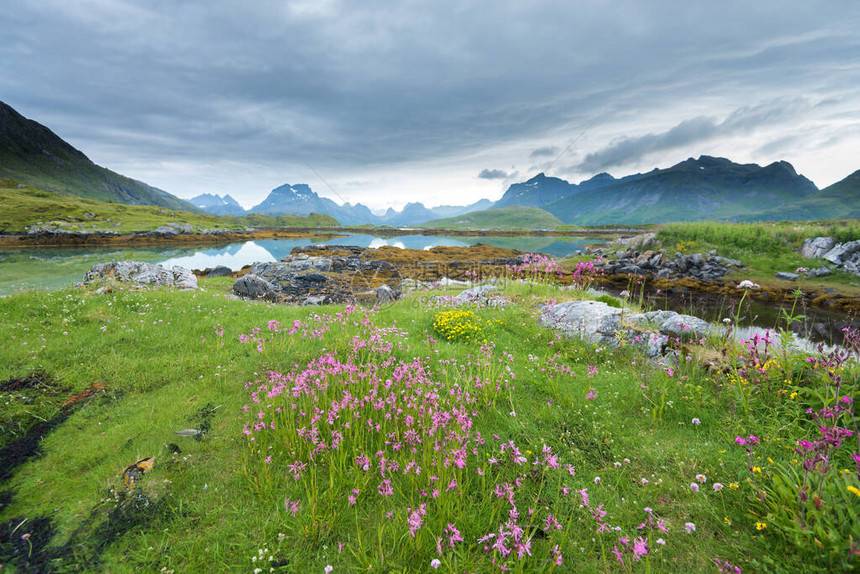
column 511, row 217
column 695, row 189
column 838, row 201
column 217, row 205
column 455, row 210
column 300, row 199
column 34, row 155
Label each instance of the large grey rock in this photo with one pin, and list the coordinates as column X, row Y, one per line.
column 184, row 278
column 385, row 295
column 815, row 247
column 142, row 273
column 819, row 272
column 219, row 271
column 475, row 293
column 651, row 317
column 685, row 327
column 786, row 276
column 842, row 252
column 593, row 321
column 254, row 287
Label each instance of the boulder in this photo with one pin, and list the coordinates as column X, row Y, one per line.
column 385, row 295
column 685, row 327
column 593, row 321
column 144, row 274
column 816, row 247
column 819, row 272
column 786, row 276
column 842, row 252
column 219, row 271
column 473, row 294
column 254, row 287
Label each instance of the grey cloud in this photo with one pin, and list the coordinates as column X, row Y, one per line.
column 548, row 151
column 385, row 83
column 495, row 174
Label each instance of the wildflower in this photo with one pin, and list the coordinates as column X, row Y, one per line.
column 661, row 542
column 328, row 569
column 435, row 563
column 747, row 284
column 760, row 525
column 696, row 421
column 854, row 489
column 596, row 480
column 718, row 487
column 617, row 464
column 701, row 478
column 689, row 527
column 694, row 487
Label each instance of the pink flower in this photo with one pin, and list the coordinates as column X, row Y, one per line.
column 596, row 480
column 701, row 478
column 718, row 486
column 694, row 487
column 689, row 527
column 435, row 563
column 696, row 421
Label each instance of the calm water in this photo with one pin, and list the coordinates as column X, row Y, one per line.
column 57, row 267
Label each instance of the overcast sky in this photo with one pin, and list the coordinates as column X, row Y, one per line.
column 442, row 102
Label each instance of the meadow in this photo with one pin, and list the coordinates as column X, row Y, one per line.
column 419, row 436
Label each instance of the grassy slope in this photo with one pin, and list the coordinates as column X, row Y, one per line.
column 22, row 207
column 512, row 217
column 165, row 356
column 838, row 201
column 33, row 154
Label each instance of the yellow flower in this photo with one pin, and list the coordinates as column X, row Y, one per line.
column 854, row 489
column 757, row 469
column 760, row 525
column 734, row 485
column 792, row 395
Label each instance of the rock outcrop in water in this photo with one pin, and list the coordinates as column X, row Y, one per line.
column 323, row 274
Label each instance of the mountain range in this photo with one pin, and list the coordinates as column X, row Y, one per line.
column 300, row 199
column 34, row 155
column 692, row 190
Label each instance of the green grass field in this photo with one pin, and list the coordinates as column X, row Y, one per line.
column 413, row 437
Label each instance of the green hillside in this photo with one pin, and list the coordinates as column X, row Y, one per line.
column 512, row 217
column 838, row 201
column 33, row 154
column 22, row 206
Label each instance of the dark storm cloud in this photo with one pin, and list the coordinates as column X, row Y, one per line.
column 494, row 174
column 193, row 84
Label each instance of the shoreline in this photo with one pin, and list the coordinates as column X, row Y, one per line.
column 149, row 238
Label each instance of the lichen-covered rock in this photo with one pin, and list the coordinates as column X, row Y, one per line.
column 815, row 247
column 143, row 274
column 685, row 327
column 593, row 321
column 254, row 287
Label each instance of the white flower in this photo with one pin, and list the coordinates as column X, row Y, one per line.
column 435, row 563
column 328, row 569
column 747, row 284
